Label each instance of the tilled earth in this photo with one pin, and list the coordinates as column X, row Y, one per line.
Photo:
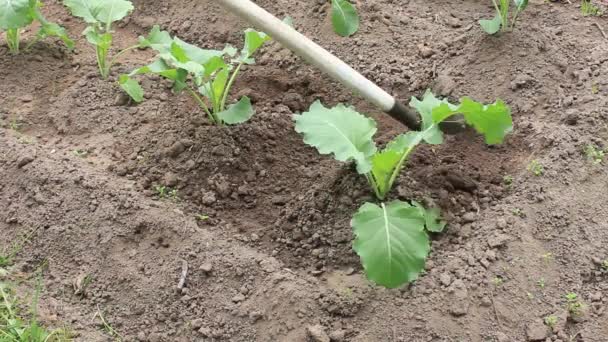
column 81, row 168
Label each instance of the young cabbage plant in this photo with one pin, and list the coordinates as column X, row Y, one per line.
column 17, row 14
column 99, row 15
column 391, row 238
column 207, row 75
column 501, row 21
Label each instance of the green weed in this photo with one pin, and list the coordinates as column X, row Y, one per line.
column 536, row 168
column 15, row 327
column 574, row 305
column 551, row 321
column 588, row 8
column 594, row 154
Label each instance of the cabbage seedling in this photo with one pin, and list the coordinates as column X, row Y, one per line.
column 16, row 14
column 99, row 15
column 501, row 22
column 391, row 238
column 207, row 75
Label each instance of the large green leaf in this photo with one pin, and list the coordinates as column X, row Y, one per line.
column 102, row 12
column 344, row 17
column 493, row 121
column 391, row 242
column 131, row 87
column 113, row 10
column 491, row 26
column 341, row 131
column 237, row 113
column 15, row 14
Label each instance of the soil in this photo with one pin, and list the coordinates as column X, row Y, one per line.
column 259, row 223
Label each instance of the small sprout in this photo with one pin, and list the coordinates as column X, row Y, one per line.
column 574, row 305
column 588, row 8
column 595, row 88
column 536, row 168
column 81, row 153
column 541, row 283
column 594, row 155
column 530, row 295
column 605, row 265
column 497, row 281
column 551, row 321
column 166, row 192
column 547, row 257
column 15, row 125
column 507, row 180
column 518, row 212
column 201, row 217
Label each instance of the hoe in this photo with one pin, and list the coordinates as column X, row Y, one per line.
column 330, row 64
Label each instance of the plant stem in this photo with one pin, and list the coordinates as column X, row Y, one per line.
column 202, row 104
column 374, row 185
column 101, row 61
column 230, row 82
column 12, row 38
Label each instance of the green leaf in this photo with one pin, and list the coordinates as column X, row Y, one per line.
column 391, row 242
column 85, row 9
column 385, row 163
column 253, row 41
column 491, row 26
column 425, row 108
column 102, row 12
column 432, row 217
column 196, row 54
column 521, row 4
column 383, row 166
column 157, row 40
column 104, row 41
column 341, row 131
column 131, row 87
column 344, row 17
column 15, row 14
column 113, row 10
column 237, row 113
column 493, row 121
column 48, row 29
column 214, row 64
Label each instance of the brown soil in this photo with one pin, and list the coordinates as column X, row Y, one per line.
column 273, row 262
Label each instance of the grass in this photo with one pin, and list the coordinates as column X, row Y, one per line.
column 17, row 326
column 588, row 8
column 107, row 327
